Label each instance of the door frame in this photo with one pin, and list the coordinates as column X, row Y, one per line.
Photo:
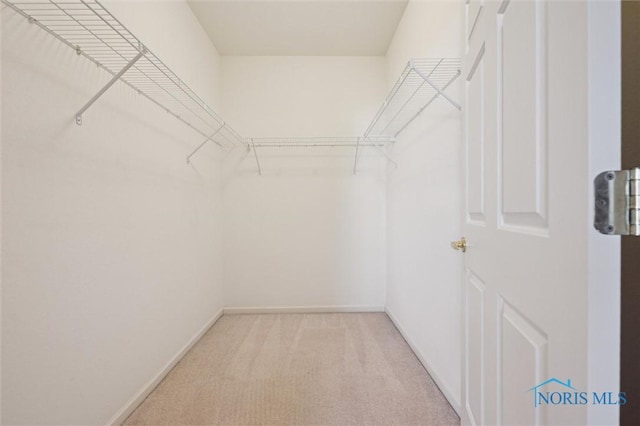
column 630, row 246
column 604, row 251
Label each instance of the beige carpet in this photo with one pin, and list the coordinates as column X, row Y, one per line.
column 295, row 369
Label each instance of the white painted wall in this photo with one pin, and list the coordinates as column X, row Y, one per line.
column 111, row 244
column 424, row 204
column 307, row 232
column 112, row 247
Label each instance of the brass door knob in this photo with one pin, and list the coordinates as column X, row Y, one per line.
column 460, row 245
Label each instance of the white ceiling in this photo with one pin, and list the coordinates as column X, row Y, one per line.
column 300, row 27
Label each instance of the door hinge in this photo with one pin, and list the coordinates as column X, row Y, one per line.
column 617, row 198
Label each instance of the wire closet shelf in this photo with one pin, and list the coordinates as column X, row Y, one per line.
column 312, row 142
column 93, row 32
column 317, row 142
column 422, row 82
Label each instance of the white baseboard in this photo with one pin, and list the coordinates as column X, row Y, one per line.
column 443, row 388
column 137, row 399
column 301, row 309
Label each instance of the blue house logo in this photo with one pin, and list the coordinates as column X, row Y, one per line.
column 540, row 397
column 568, row 395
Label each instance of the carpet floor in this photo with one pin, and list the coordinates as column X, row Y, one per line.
column 298, row 369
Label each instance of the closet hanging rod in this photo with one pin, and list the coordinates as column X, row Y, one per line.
column 93, row 32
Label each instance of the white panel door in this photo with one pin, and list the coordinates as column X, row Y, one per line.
column 526, row 143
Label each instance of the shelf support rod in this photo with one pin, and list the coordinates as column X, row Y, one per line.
column 209, row 138
column 433, row 98
column 108, row 85
column 436, row 88
column 255, row 153
column 382, row 151
column 375, row 145
column 355, row 162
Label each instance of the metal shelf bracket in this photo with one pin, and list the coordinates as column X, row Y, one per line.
column 108, row 85
column 376, row 146
column 255, row 153
column 210, row 138
column 88, row 28
column 435, row 87
column 420, row 84
column 355, row 162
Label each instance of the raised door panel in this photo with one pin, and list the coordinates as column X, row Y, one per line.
column 474, row 13
column 523, row 356
column 474, row 364
column 475, row 141
column 522, row 134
